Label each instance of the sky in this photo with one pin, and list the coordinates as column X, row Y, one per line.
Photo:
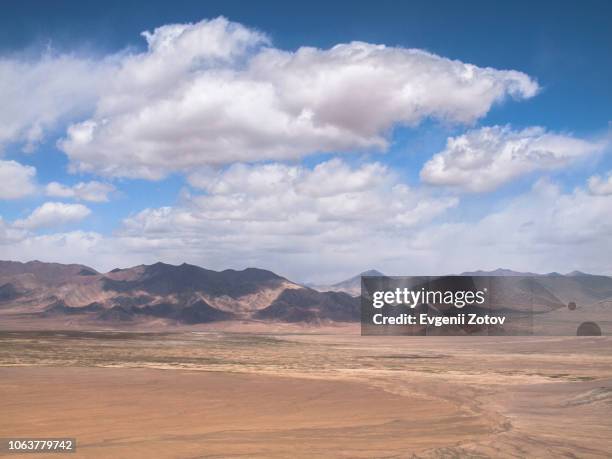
column 314, row 139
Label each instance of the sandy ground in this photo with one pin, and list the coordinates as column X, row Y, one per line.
column 155, row 413
column 219, row 394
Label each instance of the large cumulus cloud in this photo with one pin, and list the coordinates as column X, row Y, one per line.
column 216, row 92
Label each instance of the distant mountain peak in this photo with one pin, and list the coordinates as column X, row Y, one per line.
column 352, row 286
column 498, row 272
column 578, row 273
column 371, row 272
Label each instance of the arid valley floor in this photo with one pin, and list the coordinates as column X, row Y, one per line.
column 224, row 394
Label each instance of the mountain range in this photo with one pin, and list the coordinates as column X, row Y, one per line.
column 185, row 294
column 189, row 294
column 584, row 289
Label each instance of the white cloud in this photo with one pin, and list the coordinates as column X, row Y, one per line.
column 325, row 179
column 39, row 92
column 86, row 191
column 52, row 214
column 88, row 248
column 215, row 92
column 483, row 159
column 335, row 177
column 276, row 215
column 601, row 185
column 16, row 180
column 542, row 230
column 9, row 234
column 332, row 192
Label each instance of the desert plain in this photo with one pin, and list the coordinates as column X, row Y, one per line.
column 310, row 393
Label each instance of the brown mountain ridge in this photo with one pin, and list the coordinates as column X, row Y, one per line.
column 166, row 294
column 183, row 294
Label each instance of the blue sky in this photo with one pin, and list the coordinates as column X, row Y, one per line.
column 534, row 134
column 565, row 45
